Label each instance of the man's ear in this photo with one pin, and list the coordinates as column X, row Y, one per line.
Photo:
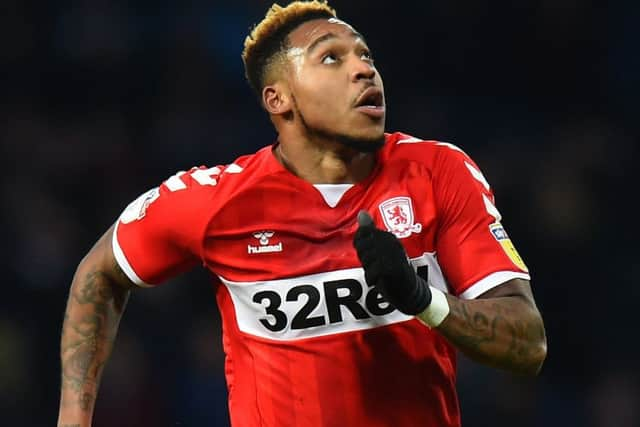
column 276, row 99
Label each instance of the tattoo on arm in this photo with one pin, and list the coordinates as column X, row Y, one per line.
column 503, row 332
column 93, row 312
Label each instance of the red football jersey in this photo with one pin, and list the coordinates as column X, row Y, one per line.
column 307, row 341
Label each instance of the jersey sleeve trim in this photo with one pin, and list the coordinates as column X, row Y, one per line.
column 122, row 261
column 490, row 282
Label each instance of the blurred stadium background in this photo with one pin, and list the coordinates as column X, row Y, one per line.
column 103, row 99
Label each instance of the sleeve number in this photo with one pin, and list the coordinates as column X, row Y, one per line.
column 201, row 176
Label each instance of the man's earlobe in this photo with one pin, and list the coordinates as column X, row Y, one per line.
column 275, row 101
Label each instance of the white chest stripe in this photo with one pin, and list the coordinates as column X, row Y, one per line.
column 318, row 304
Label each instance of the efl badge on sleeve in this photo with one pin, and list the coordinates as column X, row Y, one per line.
column 138, row 208
column 501, row 236
column 397, row 214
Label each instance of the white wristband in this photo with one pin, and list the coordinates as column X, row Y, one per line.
column 438, row 309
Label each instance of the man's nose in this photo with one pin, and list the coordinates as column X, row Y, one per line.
column 362, row 70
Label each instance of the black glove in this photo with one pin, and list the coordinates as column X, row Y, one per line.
column 387, row 268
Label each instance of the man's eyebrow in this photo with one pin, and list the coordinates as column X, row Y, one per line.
column 328, row 36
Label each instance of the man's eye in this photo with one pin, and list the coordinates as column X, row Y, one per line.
column 366, row 55
column 329, row 59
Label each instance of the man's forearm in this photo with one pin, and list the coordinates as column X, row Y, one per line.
column 94, row 309
column 505, row 332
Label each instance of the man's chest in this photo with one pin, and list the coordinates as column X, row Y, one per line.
column 287, row 261
column 278, row 231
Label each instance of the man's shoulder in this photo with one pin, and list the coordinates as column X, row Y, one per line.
column 205, row 188
column 400, row 145
column 206, row 178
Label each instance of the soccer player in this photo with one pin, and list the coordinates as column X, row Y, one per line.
column 350, row 264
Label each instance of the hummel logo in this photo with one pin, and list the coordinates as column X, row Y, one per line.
column 263, row 237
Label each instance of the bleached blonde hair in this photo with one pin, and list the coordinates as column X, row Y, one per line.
column 265, row 46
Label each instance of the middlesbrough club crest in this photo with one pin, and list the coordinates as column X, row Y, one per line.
column 397, row 214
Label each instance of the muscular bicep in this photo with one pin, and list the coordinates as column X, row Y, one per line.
column 501, row 327
column 518, row 288
column 101, row 259
column 519, row 292
column 97, row 299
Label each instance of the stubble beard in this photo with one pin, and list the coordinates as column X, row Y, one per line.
column 361, row 145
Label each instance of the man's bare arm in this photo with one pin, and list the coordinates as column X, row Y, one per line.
column 97, row 299
column 502, row 328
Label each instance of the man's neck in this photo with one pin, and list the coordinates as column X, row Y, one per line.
column 328, row 163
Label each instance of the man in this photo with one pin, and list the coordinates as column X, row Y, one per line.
column 349, row 263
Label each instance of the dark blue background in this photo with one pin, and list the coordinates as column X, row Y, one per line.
column 102, row 100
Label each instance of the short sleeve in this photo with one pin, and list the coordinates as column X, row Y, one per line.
column 159, row 235
column 473, row 248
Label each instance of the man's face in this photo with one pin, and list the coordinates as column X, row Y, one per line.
column 336, row 89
